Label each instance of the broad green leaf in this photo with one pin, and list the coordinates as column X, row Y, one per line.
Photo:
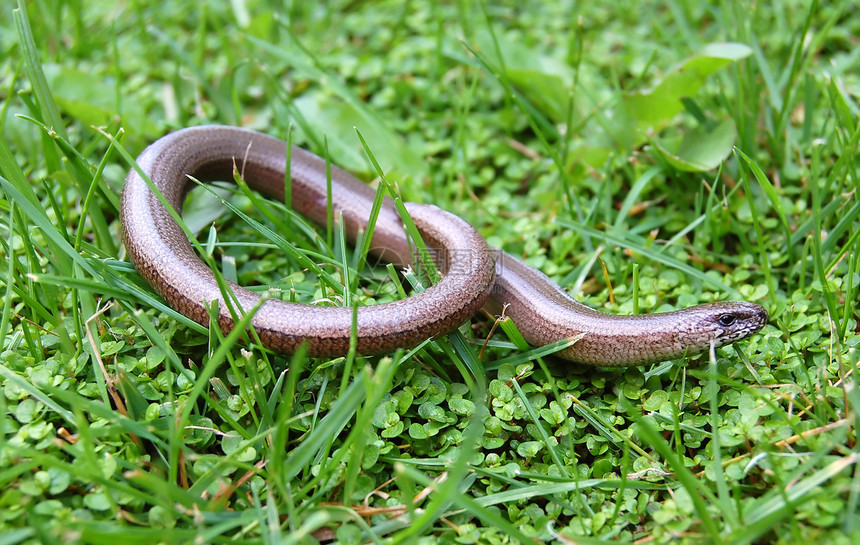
column 546, row 90
column 79, row 96
column 546, row 81
column 93, row 103
column 652, row 110
column 699, row 149
column 338, row 120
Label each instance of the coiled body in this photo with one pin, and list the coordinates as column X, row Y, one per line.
column 472, row 276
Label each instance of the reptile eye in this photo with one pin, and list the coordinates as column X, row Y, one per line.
column 727, row 320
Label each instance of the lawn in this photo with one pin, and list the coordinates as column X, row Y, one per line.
column 647, row 156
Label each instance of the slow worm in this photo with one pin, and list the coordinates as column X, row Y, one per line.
column 473, row 274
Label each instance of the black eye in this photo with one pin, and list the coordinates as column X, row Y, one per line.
column 727, row 319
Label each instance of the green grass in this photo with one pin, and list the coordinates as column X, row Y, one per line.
column 616, row 148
